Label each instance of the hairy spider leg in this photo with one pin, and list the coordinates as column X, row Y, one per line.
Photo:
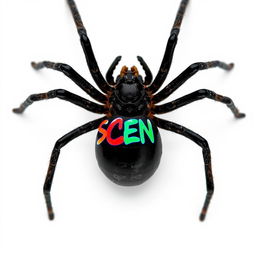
column 55, row 155
column 86, row 45
column 194, row 96
column 63, row 95
column 149, row 77
column 168, row 55
column 200, row 141
column 109, row 74
column 186, row 74
column 74, row 76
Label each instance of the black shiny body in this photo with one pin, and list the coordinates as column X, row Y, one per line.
column 128, row 144
column 132, row 164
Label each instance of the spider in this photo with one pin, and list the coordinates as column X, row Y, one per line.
column 128, row 145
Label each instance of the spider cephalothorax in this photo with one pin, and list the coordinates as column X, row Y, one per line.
column 129, row 97
column 128, row 145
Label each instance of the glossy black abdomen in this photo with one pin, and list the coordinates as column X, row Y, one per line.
column 128, row 150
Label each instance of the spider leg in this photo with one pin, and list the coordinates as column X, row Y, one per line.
column 168, row 55
column 74, row 76
column 200, row 141
column 55, row 155
column 63, row 95
column 109, row 75
column 85, row 42
column 186, row 74
column 149, row 76
column 194, row 96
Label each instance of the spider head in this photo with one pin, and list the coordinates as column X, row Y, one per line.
column 129, row 92
column 129, row 87
column 129, row 77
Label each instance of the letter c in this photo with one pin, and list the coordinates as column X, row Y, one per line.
column 118, row 141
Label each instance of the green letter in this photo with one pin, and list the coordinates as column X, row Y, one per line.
column 128, row 131
column 148, row 130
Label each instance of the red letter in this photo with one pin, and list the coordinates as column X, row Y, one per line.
column 119, row 140
column 102, row 131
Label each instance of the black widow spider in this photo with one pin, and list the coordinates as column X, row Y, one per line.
column 129, row 107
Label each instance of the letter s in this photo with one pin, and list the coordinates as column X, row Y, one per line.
column 103, row 132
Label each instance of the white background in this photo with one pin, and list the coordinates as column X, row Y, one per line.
column 93, row 215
